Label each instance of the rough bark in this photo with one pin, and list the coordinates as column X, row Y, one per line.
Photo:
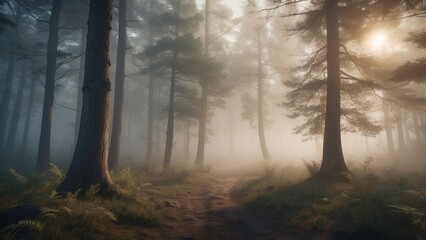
column 80, row 85
column 114, row 151
column 43, row 157
column 199, row 159
column 7, row 93
column 260, row 120
column 16, row 115
column 28, row 117
column 333, row 165
column 89, row 165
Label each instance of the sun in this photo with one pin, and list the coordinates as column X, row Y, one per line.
column 378, row 39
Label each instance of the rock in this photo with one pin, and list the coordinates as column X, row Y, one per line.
column 16, row 214
column 170, row 203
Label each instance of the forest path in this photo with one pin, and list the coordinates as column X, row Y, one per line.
column 208, row 211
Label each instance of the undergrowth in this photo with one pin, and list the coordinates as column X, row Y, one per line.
column 139, row 202
column 374, row 204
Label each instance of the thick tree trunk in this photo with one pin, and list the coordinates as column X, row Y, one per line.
column 43, row 157
column 388, row 125
column 400, row 130
column 28, row 117
column 199, row 159
column 16, row 116
column 333, row 164
column 7, row 94
column 260, row 121
column 80, row 84
column 114, row 150
column 89, row 165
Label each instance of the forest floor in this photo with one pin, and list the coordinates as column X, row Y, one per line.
column 208, row 209
column 258, row 202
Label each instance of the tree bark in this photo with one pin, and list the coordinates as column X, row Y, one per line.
column 28, row 117
column 187, row 141
column 80, row 85
column 333, row 165
column 7, row 94
column 10, row 143
column 89, row 165
column 43, row 157
column 260, row 120
column 199, row 159
column 114, row 150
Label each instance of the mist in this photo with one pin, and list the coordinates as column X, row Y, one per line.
column 212, row 119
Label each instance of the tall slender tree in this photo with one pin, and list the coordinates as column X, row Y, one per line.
column 114, row 150
column 43, row 157
column 10, row 143
column 89, row 165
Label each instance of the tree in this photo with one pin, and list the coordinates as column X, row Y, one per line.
column 10, row 143
column 43, row 157
column 114, row 150
column 172, row 51
column 89, row 165
column 210, row 84
column 335, row 74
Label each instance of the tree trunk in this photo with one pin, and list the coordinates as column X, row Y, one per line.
column 171, row 114
column 150, row 105
column 416, row 119
column 187, row 141
column 388, row 125
column 7, row 93
column 114, row 151
column 89, row 165
column 43, row 157
column 400, row 130
column 260, row 121
column 333, row 165
column 10, row 143
column 171, row 118
column 28, row 117
column 80, row 85
column 231, row 130
column 199, row 159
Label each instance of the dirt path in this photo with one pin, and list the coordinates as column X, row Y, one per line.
column 209, row 212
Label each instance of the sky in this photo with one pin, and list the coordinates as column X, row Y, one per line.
column 235, row 5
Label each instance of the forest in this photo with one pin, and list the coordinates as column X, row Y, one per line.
column 213, row 119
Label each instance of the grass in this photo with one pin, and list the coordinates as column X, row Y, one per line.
column 140, row 202
column 374, row 204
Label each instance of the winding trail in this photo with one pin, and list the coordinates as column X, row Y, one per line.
column 208, row 211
